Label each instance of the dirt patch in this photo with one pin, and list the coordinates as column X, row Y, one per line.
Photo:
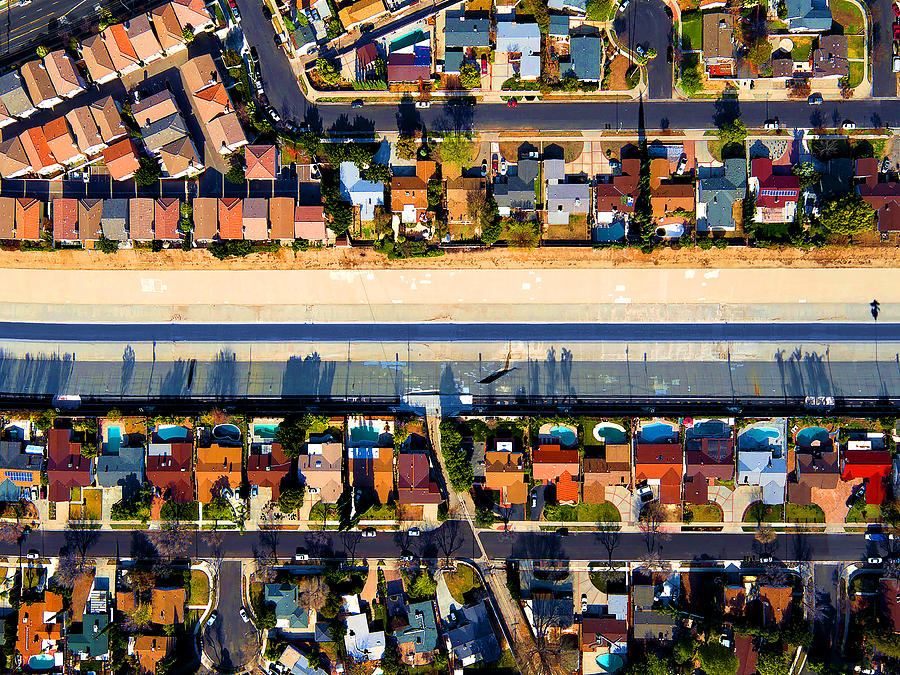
column 510, row 150
column 571, row 150
column 575, row 230
column 617, row 69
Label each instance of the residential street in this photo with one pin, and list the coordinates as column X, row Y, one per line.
column 230, row 643
column 649, row 25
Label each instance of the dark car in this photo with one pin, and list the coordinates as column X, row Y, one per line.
column 254, row 56
column 267, row 12
column 358, row 103
column 562, row 532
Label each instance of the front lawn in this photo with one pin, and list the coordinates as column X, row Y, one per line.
column 848, row 15
column 759, row 512
column 804, row 513
column 861, row 512
column 198, row 593
column 604, row 512
column 856, row 73
column 90, row 510
column 704, row 513
column 461, row 581
column 602, row 579
column 856, row 47
column 691, row 31
column 381, row 512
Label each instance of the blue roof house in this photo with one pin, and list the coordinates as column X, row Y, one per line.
column 471, row 635
column 524, row 38
column 717, row 195
column 288, row 613
column 585, row 52
column 365, row 194
column 419, row 638
column 808, row 16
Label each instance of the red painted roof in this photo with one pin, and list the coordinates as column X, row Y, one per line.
column 566, row 488
column 414, row 483
column 874, row 465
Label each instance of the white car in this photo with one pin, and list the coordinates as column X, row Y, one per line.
column 33, row 554
column 414, row 532
column 624, row 5
column 301, row 555
column 423, row 104
column 896, row 64
column 212, row 619
column 244, row 617
column 772, row 124
column 584, row 604
column 766, row 561
column 503, row 167
column 875, row 560
column 368, row 532
column 848, row 125
column 407, row 557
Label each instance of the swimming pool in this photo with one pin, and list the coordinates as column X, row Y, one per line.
column 710, row 429
column 657, row 432
column 805, row 437
column 41, row 662
column 264, row 430
column 113, row 440
column 364, row 434
column 171, row 432
column 609, row 432
column 567, row 437
column 227, row 431
column 757, row 438
column 610, row 663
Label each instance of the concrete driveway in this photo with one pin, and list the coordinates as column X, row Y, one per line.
column 230, row 643
column 648, row 23
column 536, row 511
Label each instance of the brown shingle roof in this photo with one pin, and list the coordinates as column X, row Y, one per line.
column 97, row 59
column 151, row 649
column 109, row 121
column 65, row 219
column 37, row 150
column 309, row 223
column 7, row 217
column 281, row 217
column 13, row 158
column 144, row 42
column 121, row 51
column 256, row 218
column 168, row 30
column 37, row 81
column 166, row 214
column 260, row 162
column 205, row 216
column 63, row 74
column 29, row 213
column 84, row 127
column 90, row 214
column 140, row 218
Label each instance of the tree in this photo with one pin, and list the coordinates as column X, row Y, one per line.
column 848, row 215
column 765, row 537
column 231, row 58
column 482, row 209
column 171, row 540
column 470, row 76
column 651, row 519
column 291, row 499
column 42, row 51
column 651, row 664
column 806, row 172
column 599, row 10
column 10, row 532
column 774, row 661
column 378, row 172
column 148, row 173
column 313, row 591
column 81, row 534
column 459, row 468
column 69, row 569
column 218, row 509
column 716, row 659
column 549, row 653
column 235, row 174
column 456, row 149
column 760, row 51
column 449, row 538
column 406, row 147
column 608, row 536
column 327, row 72
column 108, row 246
column 523, row 234
column 691, row 76
column 188, row 34
column 291, row 433
column 733, row 132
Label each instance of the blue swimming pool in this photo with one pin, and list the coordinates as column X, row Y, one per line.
column 364, row 435
column 757, row 438
column 710, row 429
column 171, row 433
column 227, row 432
column 265, row 430
column 657, row 432
column 41, row 662
column 114, row 440
column 609, row 432
column 611, row 663
column 567, row 437
column 805, row 437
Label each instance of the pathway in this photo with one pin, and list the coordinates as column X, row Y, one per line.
column 624, row 501
column 370, row 590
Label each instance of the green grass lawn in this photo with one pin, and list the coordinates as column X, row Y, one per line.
column 322, row 511
column 856, row 73
column 461, row 581
column 764, row 513
column 804, row 513
column 861, row 512
column 506, row 665
column 199, row 590
column 604, row 512
column 705, row 513
column 848, row 15
column 602, row 579
column 802, row 48
column 691, row 31
column 381, row 512
column 856, row 46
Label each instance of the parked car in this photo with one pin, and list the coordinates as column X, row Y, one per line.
column 407, row 557
column 503, row 167
column 495, row 163
column 875, row 560
column 368, row 532
column 886, row 165
column 897, row 31
column 254, row 56
column 484, row 167
column 849, row 125
column 772, row 124
column 875, row 533
column 584, row 604
column 414, row 532
column 767, row 560
column 815, row 99
column 212, row 619
column 512, row 103
column 484, row 70
column 33, row 554
column 534, row 501
column 640, row 51
column 896, row 64
column 624, row 5
column 896, row 9
column 358, row 103
column 244, row 617
column 682, row 164
column 562, row 532
column 301, row 555
column 423, row 104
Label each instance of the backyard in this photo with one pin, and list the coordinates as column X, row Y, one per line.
column 802, row 48
column 575, row 230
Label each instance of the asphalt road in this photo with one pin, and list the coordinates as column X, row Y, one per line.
column 454, row 539
column 648, row 24
column 884, row 80
column 453, row 332
column 230, row 643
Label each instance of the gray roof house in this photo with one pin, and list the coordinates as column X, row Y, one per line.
column 163, row 131
column 546, row 588
column 297, row 663
column 766, row 469
column 554, row 170
column 514, row 194
column 421, row 630
column 717, row 194
column 524, row 38
column 14, row 96
column 461, row 32
column 19, row 463
column 559, row 26
column 113, row 219
column 288, row 613
column 805, row 16
column 471, row 635
column 649, row 623
column 574, row 6
column 585, row 52
column 365, row 194
column 564, row 199
column 124, row 467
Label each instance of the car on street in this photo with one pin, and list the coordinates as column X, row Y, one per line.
column 886, row 165
column 896, row 31
column 896, row 64
column 512, row 103
column 254, row 56
column 640, row 51
column 534, row 501
column 875, row 560
column 33, row 554
column 624, row 5
column 849, row 125
column 484, row 69
column 212, row 619
column 815, row 99
column 896, row 8
column 767, row 560
column 562, row 532
column 414, row 532
column 772, row 124
column 23, row 3
column 874, row 533
column 423, row 104
column 368, row 532
column 484, row 167
column 407, row 557
column 358, row 103
column 244, row 617
column 301, row 555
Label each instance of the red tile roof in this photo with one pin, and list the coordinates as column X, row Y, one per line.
column 65, row 219
column 172, row 473
column 28, row 218
column 231, row 218
column 414, row 483
column 566, row 488
column 66, row 468
column 166, row 213
column 548, row 462
column 260, row 162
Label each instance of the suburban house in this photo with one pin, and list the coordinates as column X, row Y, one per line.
column 218, row 471
column 719, row 44
column 577, row 7
column 470, row 635
column 140, row 218
column 206, row 219
column 765, row 468
column 808, row 16
column 883, row 197
column 20, row 468
column 889, row 602
column 872, row 466
column 709, row 456
column 418, row 640
column 460, row 192
column 365, row 194
column 231, row 218
column 114, row 221
column 109, row 119
column 14, row 161
column 514, row 38
column 40, row 88
column 143, row 40
column 88, row 639
column 829, row 59
column 29, row 216
column 648, row 622
column 295, row 662
column 668, row 199
column 66, row 468
column 362, row 644
column 552, row 465
column 409, row 194
column 504, row 473
column 774, row 603
column 14, row 97
column 414, row 482
column 546, row 587
column 38, row 152
column 90, row 216
column 39, row 634
column 462, row 35
column 565, row 200
column 168, row 30
column 361, row 11
column 613, row 468
column 605, row 634
column 285, row 599
column 309, row 223
column 192, row 14
column 268, row 469
column 63, row 74
column 256, row 218
column 817, row 468
column 65, row 220
column 617, row 194
column 408, row 68
column 261, row 162
column 661, row 467
column 121, row 459
column 372, row 469
column 121, row 159
column 166, row 214
column 213, row 104
column 84, row 127
column 281, row 219
column 121, row 51
column 585, row 54
column 179, row 158
column 169, row 464
column 150, row 650
column 320, row 470
column 776, row 193
column 166, row 604
column 719, row 195
column 515, row 191
column 96, row 58
column 366, row 56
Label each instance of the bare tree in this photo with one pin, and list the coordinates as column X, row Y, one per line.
column 215, row 541
column 449, row 539
column 81, row 534
column 313, row 592
column 10, row 532
column 69, row 569
column 351, row 539
column 764, row 540
column 608, row 536
column 650, row 521
column 171, row 540
column 265, row 563
column 549, row 653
